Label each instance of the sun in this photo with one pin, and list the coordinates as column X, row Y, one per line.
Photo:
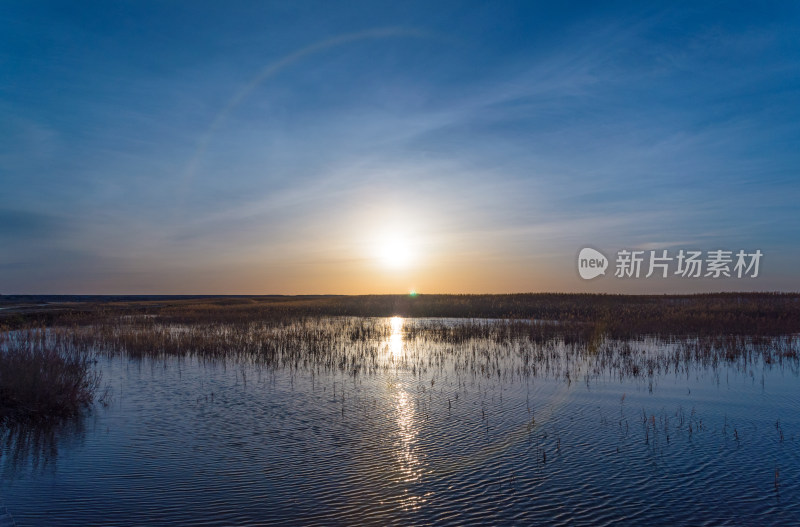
column 395, row 247
column 395, row 252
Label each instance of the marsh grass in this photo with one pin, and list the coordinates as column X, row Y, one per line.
column 42, row 378
column 48, row 370
column 502, row 349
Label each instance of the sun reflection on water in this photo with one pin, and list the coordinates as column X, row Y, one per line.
column 409, row 462
column 396, row 338
column 405, row 449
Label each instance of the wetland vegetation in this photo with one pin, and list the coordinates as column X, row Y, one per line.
column 405, row 405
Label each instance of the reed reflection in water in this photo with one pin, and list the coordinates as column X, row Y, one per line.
column 34, row 447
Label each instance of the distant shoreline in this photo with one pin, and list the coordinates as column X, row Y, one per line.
column 613, row 314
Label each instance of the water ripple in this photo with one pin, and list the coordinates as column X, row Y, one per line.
column 188, row 442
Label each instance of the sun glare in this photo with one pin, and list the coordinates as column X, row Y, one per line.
column 396, row 253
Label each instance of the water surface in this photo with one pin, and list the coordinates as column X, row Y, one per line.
column 422, row 438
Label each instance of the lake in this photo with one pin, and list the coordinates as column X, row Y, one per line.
column 430, row 431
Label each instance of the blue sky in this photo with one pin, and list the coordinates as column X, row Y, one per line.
column 257, row 147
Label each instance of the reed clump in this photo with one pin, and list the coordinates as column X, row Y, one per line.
column 42, row 378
